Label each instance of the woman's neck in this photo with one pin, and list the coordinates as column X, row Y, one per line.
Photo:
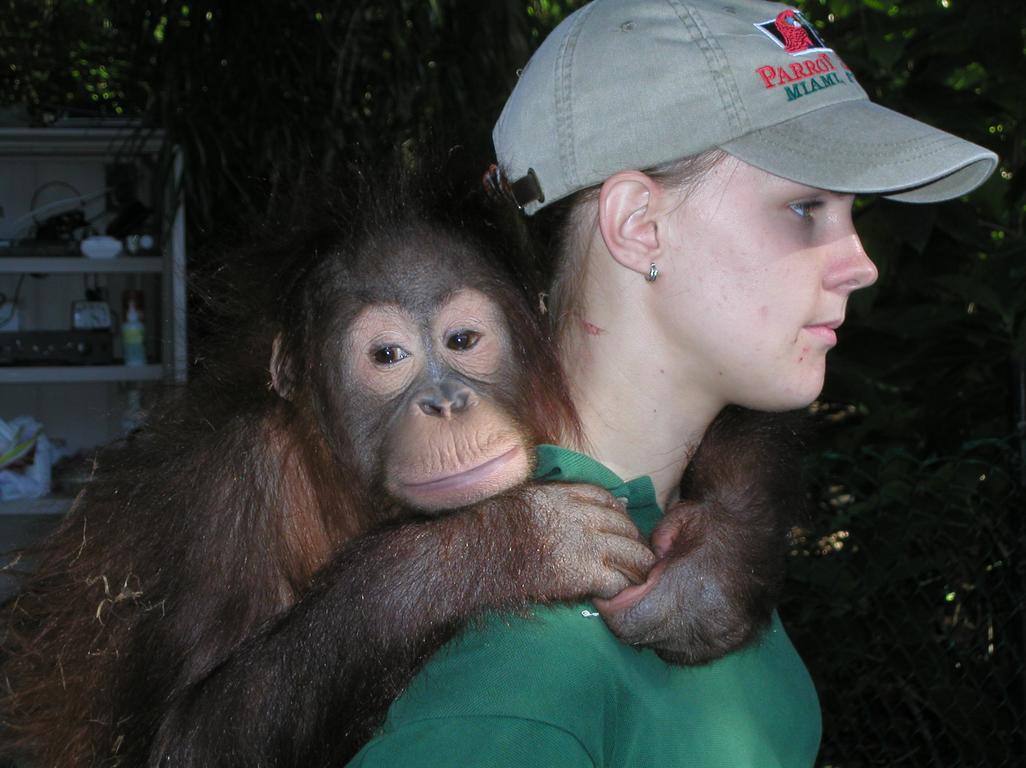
column 635, row 419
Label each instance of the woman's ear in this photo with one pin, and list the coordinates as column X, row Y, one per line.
column 627, row 219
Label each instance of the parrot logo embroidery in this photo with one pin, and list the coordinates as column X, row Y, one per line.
column 792, row 32
column 796, row 39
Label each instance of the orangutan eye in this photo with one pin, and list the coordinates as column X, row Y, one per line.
column 463, row 340
column 805, row 209
column 389, row 355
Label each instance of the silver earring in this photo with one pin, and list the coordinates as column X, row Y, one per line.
column 653, row 273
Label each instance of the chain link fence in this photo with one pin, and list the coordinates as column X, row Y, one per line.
column 906, row 601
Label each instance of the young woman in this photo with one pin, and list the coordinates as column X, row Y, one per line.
column 703, row 157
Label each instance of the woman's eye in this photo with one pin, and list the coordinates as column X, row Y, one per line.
column 389, row 355
column 805, row 209
column 462, row 340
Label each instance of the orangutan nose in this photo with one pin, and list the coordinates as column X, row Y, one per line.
column 445, row 400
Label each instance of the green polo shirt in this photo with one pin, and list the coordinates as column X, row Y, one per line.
column 558, row 689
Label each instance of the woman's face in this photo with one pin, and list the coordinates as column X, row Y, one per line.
column 755, row 273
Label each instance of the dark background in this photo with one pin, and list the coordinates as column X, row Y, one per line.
column 908, row 583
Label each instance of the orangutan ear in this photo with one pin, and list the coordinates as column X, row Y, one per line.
column 282, row 375
column 627, row 219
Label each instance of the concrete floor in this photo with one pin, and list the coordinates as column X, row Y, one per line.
column 18, row 531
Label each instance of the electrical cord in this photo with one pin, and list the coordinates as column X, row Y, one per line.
column 30, row 218
column 13, row 302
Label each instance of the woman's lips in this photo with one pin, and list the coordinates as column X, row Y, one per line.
column 823, row 332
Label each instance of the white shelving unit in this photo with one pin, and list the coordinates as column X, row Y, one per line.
column 78, row 147
column 48, row 505
column 74, row 374
column 66, row 265
column 83, row 404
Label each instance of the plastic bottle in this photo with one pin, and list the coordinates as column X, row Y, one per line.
column 134, row 416
column 132, row 334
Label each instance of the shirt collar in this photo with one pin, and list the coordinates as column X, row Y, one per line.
column 557, row 464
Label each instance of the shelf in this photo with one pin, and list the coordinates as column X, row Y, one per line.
column 69, row 374
column 78, row 152
column 80, row 264
column 81, row 141
column 47, row 505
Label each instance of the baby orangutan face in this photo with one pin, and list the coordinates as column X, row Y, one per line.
column 436, row 373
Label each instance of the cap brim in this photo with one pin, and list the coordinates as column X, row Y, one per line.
column 861, row 147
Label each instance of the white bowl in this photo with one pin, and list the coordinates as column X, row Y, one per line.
column 101, row 247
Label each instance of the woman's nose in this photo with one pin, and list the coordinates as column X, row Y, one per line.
column 850, row 267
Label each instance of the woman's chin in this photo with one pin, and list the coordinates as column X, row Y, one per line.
column 789, row 400
column 800, row 391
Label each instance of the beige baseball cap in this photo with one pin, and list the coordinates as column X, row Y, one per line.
column 630, row 84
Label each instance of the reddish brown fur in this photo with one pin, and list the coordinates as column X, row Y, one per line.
column 106, row 568
column 192, row 533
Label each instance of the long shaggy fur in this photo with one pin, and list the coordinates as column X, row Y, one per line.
column 213, row 519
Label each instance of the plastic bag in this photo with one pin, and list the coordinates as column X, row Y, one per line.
column 26, row 458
